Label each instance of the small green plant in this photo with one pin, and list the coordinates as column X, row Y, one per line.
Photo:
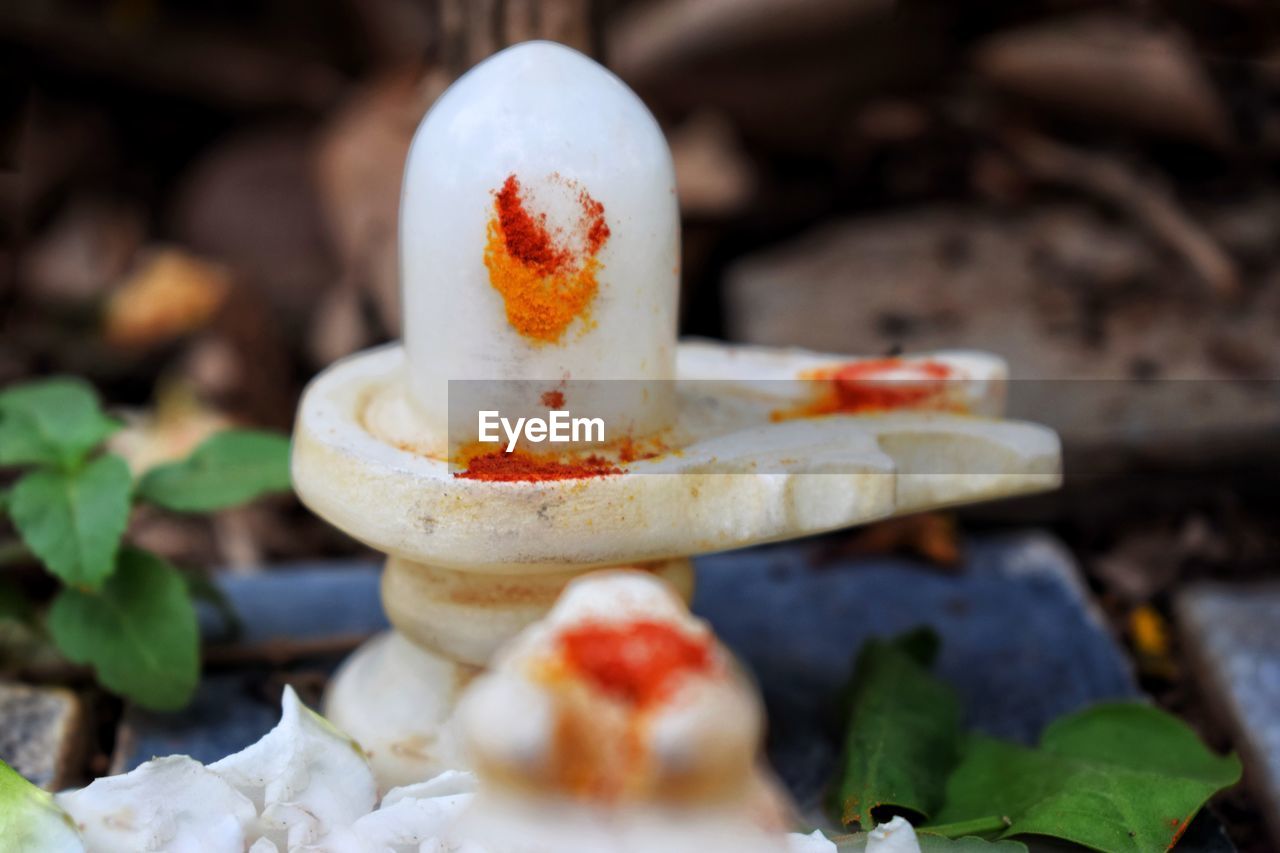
column 1118, row 776
column 121, row 610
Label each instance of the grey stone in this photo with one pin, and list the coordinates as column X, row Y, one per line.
column 1020, row 642
column 227, row 714
column 42, row 733
column 305, row 600
column 1232, row 636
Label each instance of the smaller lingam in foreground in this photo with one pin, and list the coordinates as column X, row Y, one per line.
column 636, row 730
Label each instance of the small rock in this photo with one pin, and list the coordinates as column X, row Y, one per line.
column 227, row 714
column 1230, row 633
column 42, row 733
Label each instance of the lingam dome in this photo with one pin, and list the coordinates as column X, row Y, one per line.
column 539, row 231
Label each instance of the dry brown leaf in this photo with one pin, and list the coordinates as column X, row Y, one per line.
column 171, row 294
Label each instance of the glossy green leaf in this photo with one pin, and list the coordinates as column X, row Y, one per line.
column 230, row 468
column 30, row 822
column 51, row 422
column 139, row 633
column 73, row 520
column 967, row 844
column 902, row 734
column 1116, row 777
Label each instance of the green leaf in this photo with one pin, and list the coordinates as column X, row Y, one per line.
column 229, row 468
column 902, row 734
column 139, row 633
column 30, row 822
column 967, row 844
column 73, row 520
column 51, row 422
column 1116, row 777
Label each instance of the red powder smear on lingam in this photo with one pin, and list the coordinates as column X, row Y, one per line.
column 523, row 467
column 553, row 399
column 865, row 386
column 638, row 662
column 546, row 279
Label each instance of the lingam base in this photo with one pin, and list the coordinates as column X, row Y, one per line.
column 396, row 693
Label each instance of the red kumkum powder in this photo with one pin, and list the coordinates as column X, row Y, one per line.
column 526, row 236
column 522, row 467
column 862, row 386
column 638, row 662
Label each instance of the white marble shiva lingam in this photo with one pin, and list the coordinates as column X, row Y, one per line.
column 539, row 244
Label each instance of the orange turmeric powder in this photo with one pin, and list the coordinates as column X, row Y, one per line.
column 545, row 284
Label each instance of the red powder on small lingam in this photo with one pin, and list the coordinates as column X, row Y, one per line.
column 638, row 662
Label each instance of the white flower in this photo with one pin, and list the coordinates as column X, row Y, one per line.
column 173, row 804
column 814, row 842
column 896, row 836
column 409, row 819
column 304, row 777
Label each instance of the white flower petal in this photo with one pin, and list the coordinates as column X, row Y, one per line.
column 446, row 784
column 173, row 804
column 437, row 845
column 305, row 777
column 814, row 842
column 342, row 840
column 409, row 822
column 896, row 836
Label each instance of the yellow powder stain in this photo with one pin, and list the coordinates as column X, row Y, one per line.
column 540, row 307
